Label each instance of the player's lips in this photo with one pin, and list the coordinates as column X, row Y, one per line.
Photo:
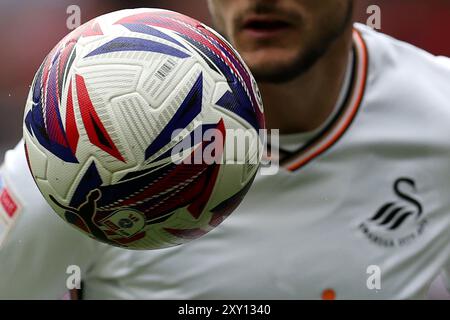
column 264, row 27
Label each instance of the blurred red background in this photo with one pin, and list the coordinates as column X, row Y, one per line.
column 29, row 29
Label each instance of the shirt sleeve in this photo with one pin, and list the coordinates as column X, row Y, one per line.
column 37, row 247
column 112, row 276
column 40, row 250
column 446, row 278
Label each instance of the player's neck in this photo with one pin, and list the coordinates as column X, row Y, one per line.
column 305, row 103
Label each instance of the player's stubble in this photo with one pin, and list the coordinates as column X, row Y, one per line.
column 326, row 27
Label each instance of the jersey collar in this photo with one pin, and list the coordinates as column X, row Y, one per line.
column 330, row 134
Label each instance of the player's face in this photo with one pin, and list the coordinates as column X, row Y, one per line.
column 281, row 39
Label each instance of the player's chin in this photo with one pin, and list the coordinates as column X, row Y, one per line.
column 270, row 60
column 276, row 41
column 273, row 76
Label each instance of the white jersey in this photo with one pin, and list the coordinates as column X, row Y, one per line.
column 361, row 210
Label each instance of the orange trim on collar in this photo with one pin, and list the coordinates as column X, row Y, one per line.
column 337, row 130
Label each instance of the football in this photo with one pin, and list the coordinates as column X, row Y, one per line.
column 142, row 129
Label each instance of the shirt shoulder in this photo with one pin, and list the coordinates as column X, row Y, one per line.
column 405, row 65
column 406, row 89
column 387, row 52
